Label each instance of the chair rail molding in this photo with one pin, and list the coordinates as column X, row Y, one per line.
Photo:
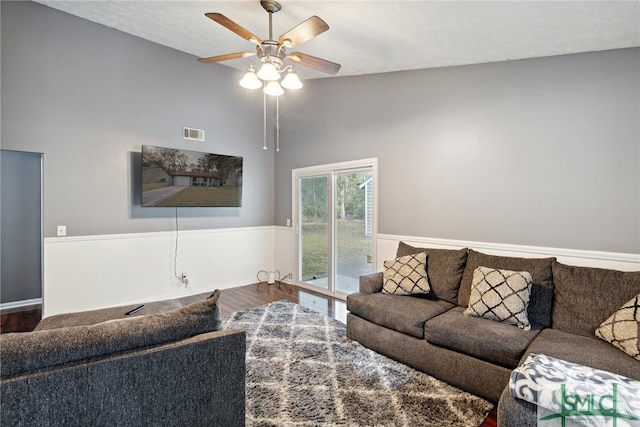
column 388, row 243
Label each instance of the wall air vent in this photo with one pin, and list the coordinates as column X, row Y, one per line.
column 193, row 134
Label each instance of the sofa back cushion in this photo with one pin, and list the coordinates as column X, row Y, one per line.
column 92, row 317
column 444, row 269
column 541, row 297
column 586, row 296
column 29, row 351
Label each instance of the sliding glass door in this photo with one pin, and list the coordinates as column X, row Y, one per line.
column 352, row 226
column 335, row 225
column 314, row 236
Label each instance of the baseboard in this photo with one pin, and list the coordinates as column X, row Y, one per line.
column 19, row 304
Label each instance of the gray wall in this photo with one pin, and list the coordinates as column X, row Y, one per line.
column 21, row 236
column 88, row 97
column 541, row 152
column 534, row 152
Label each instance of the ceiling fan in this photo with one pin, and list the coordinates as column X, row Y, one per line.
column 273, row 53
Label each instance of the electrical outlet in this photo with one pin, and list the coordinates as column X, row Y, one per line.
column 184, row 278
column 62, row 230
column 287, row 278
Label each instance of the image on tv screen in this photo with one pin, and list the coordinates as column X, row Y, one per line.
column 182, row 178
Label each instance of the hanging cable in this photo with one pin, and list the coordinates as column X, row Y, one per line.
column 175, row 253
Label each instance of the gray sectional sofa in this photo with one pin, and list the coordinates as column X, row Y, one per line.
column 102, row 368
column 430, row 332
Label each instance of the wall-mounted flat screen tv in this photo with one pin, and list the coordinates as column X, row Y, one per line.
column 182, row 178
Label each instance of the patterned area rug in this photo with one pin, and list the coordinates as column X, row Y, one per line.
column 303, row 371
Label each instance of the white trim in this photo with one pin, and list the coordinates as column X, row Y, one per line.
column 341, row 295
column 337, row 167
column 614, row 260
column 542, row 250
column 386, row 245
column 19, row 304
column 330, row 170
column 127, row 236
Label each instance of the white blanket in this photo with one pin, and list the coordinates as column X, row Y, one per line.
column 573, row 394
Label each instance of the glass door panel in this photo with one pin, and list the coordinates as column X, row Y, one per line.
column 334, row 211
column 353, row 228
column 315, row 233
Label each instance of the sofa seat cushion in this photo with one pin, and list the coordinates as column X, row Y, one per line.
column 405, row 314
column 31, row 351
column 575, row 309
column 488, row 340
column 583, row 350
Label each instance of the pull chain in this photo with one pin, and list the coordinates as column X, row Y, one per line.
column 277, row 123
column 264, row 118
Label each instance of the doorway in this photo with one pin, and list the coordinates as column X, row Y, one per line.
column 335, row 213
column 22, row 235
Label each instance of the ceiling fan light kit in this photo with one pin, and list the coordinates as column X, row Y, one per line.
column 268, row 71
column 273, row 88
column 272, row 55
column 291, row 80
column 250, row 79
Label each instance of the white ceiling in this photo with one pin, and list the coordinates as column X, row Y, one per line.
column 372, row 36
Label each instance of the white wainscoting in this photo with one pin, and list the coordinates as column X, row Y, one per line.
column 90, row 272
column 386, row 245
column 285, row 250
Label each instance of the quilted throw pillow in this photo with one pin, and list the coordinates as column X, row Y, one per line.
column 406, row 275
column 501, row 295
column 622, row 327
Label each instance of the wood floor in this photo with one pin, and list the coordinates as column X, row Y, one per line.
column 22, row 319
column 234, row 299
column 244, row 297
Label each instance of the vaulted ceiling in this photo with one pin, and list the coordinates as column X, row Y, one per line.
column 368, row 37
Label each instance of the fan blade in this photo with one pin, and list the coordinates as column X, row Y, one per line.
column 304, row 31
column 226, row 57
column 236, row 28
column 315, row 63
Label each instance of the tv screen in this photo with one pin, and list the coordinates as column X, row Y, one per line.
column 182, row 178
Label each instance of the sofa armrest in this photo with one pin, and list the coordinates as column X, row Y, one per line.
column 514, row 412
column 371, row 283
column 194, row 381
column 26, row 352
